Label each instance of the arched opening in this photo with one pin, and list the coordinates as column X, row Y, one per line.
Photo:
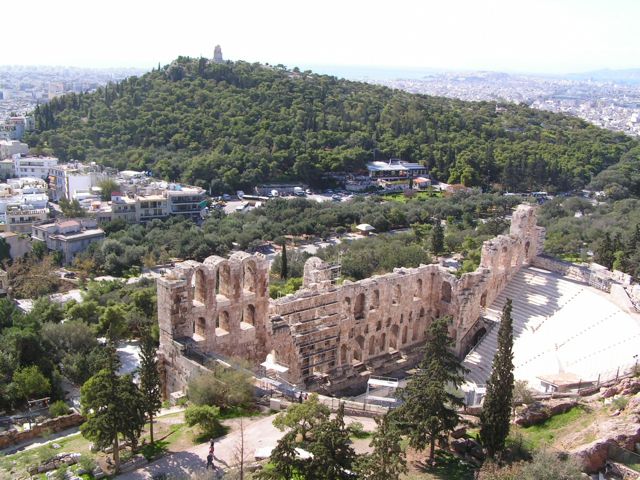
column 383, row 342
column 397, row 293
column 222, row 323
column 375, row 300
column 446, row 292
column 405, row 329
column 346, row 304
column 200, row 327
column 358, row 307
column 249, row 280
column 343, row 355
column 526, row 249
column 415, row 334
column 393, row 338
column 402, row 318
column 372, row 346
column 357, row 350
column 249, row 315
column 483, row 300
column 419, row 288
column 478, row 336
column 199, row 287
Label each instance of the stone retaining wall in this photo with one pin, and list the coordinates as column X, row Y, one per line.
column 52, row 425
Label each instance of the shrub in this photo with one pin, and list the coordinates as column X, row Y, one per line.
column 87, row 463
column 549, row 466
column 224, row 388
column 206, row 417
column 619, row 403
column 58, row 408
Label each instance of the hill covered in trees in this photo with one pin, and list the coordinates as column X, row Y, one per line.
column 233, row 125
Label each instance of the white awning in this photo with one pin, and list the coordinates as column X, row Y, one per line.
column 274, row 366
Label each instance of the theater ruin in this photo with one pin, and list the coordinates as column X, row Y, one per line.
column 326, row 336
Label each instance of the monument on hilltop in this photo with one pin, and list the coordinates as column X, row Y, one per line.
column 217, row 55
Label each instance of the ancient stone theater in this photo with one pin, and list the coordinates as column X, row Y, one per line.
column 327, row 336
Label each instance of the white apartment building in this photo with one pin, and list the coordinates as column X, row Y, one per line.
column 34, row 166
column 68, row 237
column 9, row 148
column 68, row 180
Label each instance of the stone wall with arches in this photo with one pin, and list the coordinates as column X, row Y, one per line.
column 333, row 336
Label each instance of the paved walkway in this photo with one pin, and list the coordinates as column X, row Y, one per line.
column 258, row 432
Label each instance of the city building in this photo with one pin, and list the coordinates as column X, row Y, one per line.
column 19, row 245
column 20, row 218
column 396, row 169
column 24, row 200
column 9, row 148
column 186, row 201
column 6, row 169
column 71, row 179
column 34, row 166
column 68, row 237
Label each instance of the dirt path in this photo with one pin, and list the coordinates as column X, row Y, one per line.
column 258, row 433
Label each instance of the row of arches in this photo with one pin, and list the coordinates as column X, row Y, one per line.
column 224, row 283
column 223, row 322
column 398, row 336
column 359, row 304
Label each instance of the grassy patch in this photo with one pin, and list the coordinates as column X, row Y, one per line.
column 238, row 412
column 35, row 456
column 155, row 450
column 546, row 433
column 361, row 435
column 448, row 467
column 402, row 198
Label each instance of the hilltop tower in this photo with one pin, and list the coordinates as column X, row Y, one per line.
column 217, row 55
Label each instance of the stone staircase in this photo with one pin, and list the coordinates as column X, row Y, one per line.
column 536, row 295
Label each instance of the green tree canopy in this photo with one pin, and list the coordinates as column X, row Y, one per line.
column 431, row 399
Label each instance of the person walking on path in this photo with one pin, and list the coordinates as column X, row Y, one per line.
column 210, row 461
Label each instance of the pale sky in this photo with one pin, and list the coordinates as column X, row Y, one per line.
column 544, row 36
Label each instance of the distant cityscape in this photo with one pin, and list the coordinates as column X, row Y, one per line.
column 605, row 103
column 24, row 87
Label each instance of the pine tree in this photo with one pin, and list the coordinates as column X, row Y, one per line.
column 112, row 405
column 284, row 271
column 387, row 461
column 496, row 412
column 430, row 404
column 149, row 379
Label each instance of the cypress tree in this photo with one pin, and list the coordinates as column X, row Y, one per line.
column 149, row 379
column 284, row 271
column 437, row 238
column 496, row 412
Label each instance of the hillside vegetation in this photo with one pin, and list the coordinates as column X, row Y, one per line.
column 233, row 125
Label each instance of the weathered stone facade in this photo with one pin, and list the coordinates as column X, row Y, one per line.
column 328, row 336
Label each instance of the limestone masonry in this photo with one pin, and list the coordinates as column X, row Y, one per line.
column 325, row 336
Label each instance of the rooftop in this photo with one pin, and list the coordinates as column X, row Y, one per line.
column 393, row 165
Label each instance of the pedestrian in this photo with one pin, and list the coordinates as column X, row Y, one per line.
column 300, row 397
column 210, row 461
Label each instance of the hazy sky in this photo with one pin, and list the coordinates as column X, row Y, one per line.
column 555, row 36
